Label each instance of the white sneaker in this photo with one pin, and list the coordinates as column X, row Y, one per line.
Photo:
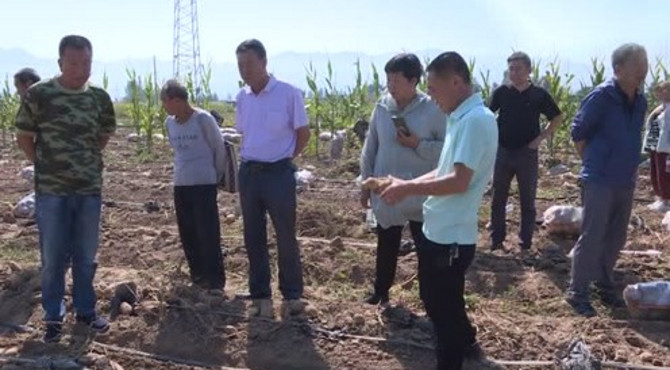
column 659, row 206
column 261, row 308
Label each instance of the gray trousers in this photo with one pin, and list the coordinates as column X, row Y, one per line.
column 522, row 163
column 604, row 230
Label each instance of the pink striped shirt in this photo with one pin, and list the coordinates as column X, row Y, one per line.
column 268, row 121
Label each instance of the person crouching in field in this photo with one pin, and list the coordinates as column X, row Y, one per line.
column 199, row 161
column 406, row 152
column 657, row 143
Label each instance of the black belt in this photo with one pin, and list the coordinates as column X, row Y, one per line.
column 267, row 166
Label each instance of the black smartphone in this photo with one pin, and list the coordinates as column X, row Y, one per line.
column 401, row 125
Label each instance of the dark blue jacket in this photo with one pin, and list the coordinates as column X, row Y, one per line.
column 612, row 129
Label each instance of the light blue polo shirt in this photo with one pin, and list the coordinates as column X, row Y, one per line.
column 472, row 140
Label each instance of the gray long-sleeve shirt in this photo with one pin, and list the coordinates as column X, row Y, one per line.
column 199, row 150
column 383, row 155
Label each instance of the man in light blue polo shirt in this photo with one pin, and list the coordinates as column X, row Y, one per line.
column 455, row 191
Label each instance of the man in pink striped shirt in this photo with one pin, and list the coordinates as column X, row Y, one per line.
column 271, row 117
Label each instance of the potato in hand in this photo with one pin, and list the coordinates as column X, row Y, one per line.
column 376, row 184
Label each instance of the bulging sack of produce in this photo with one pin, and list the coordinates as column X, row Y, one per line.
column 25, row 208
column 563, row 219
column 666, row 221
column 649, row 300
column 28, row 173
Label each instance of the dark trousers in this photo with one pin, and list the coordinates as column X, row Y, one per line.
column 660, row 178
column 441, row 286
column 270, row 188
column 388, row 245
column 200, row 233
column 607, row 212
column 522, row 163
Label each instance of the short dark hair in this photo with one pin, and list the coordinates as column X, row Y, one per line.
column 74, row 42
column 450, row 63
column 174, row 89
column 252, row 45
column 406, row 63
column 27, row 76
column 521, row 56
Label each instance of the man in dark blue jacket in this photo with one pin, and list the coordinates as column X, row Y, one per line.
column 607, row 133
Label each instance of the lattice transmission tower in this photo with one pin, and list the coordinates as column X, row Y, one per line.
column 186, row 44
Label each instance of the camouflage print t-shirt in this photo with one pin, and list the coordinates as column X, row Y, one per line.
column 68, row 126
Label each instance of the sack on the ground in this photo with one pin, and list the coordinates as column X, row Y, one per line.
column 337, row 144
column 666, row 221
column 578, row 356
column 25, row 208
column 28, row 173
column 648, row 301
column 566, row 220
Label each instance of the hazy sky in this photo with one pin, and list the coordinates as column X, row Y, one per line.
column 120, row 29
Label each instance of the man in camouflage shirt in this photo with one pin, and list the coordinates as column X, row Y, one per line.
column 63, row 125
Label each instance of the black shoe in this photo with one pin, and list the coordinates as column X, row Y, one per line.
column 497, row 247
column 53, row 333
column 581, row 307
column 609, row 298
column 474, row 352
column 376, row 299
column 96, row 323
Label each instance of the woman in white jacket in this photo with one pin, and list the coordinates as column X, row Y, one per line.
column 657, row 143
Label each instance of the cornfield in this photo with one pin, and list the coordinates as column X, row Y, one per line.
column 9, row 106
column 333, row 109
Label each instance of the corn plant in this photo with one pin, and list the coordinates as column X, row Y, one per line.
column 483, row 84
column 486, row 88
column 535, row 73
column 9, row 106
column 423, row 83
column 146, row 111
column 205, row 82
column 376, row 84
column 190, row 87
column 135, row 97
column 314, row 107
column 597, row 72
column 659, row 73
column 558, row 85
column 105, row 81
column 149, row 112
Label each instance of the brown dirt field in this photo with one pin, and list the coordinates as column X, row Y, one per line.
column 515, row 300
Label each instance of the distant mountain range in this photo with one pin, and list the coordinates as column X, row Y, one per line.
column 288, row 66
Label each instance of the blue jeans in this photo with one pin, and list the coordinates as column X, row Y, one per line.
column 270, row 188
column 69, row 227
